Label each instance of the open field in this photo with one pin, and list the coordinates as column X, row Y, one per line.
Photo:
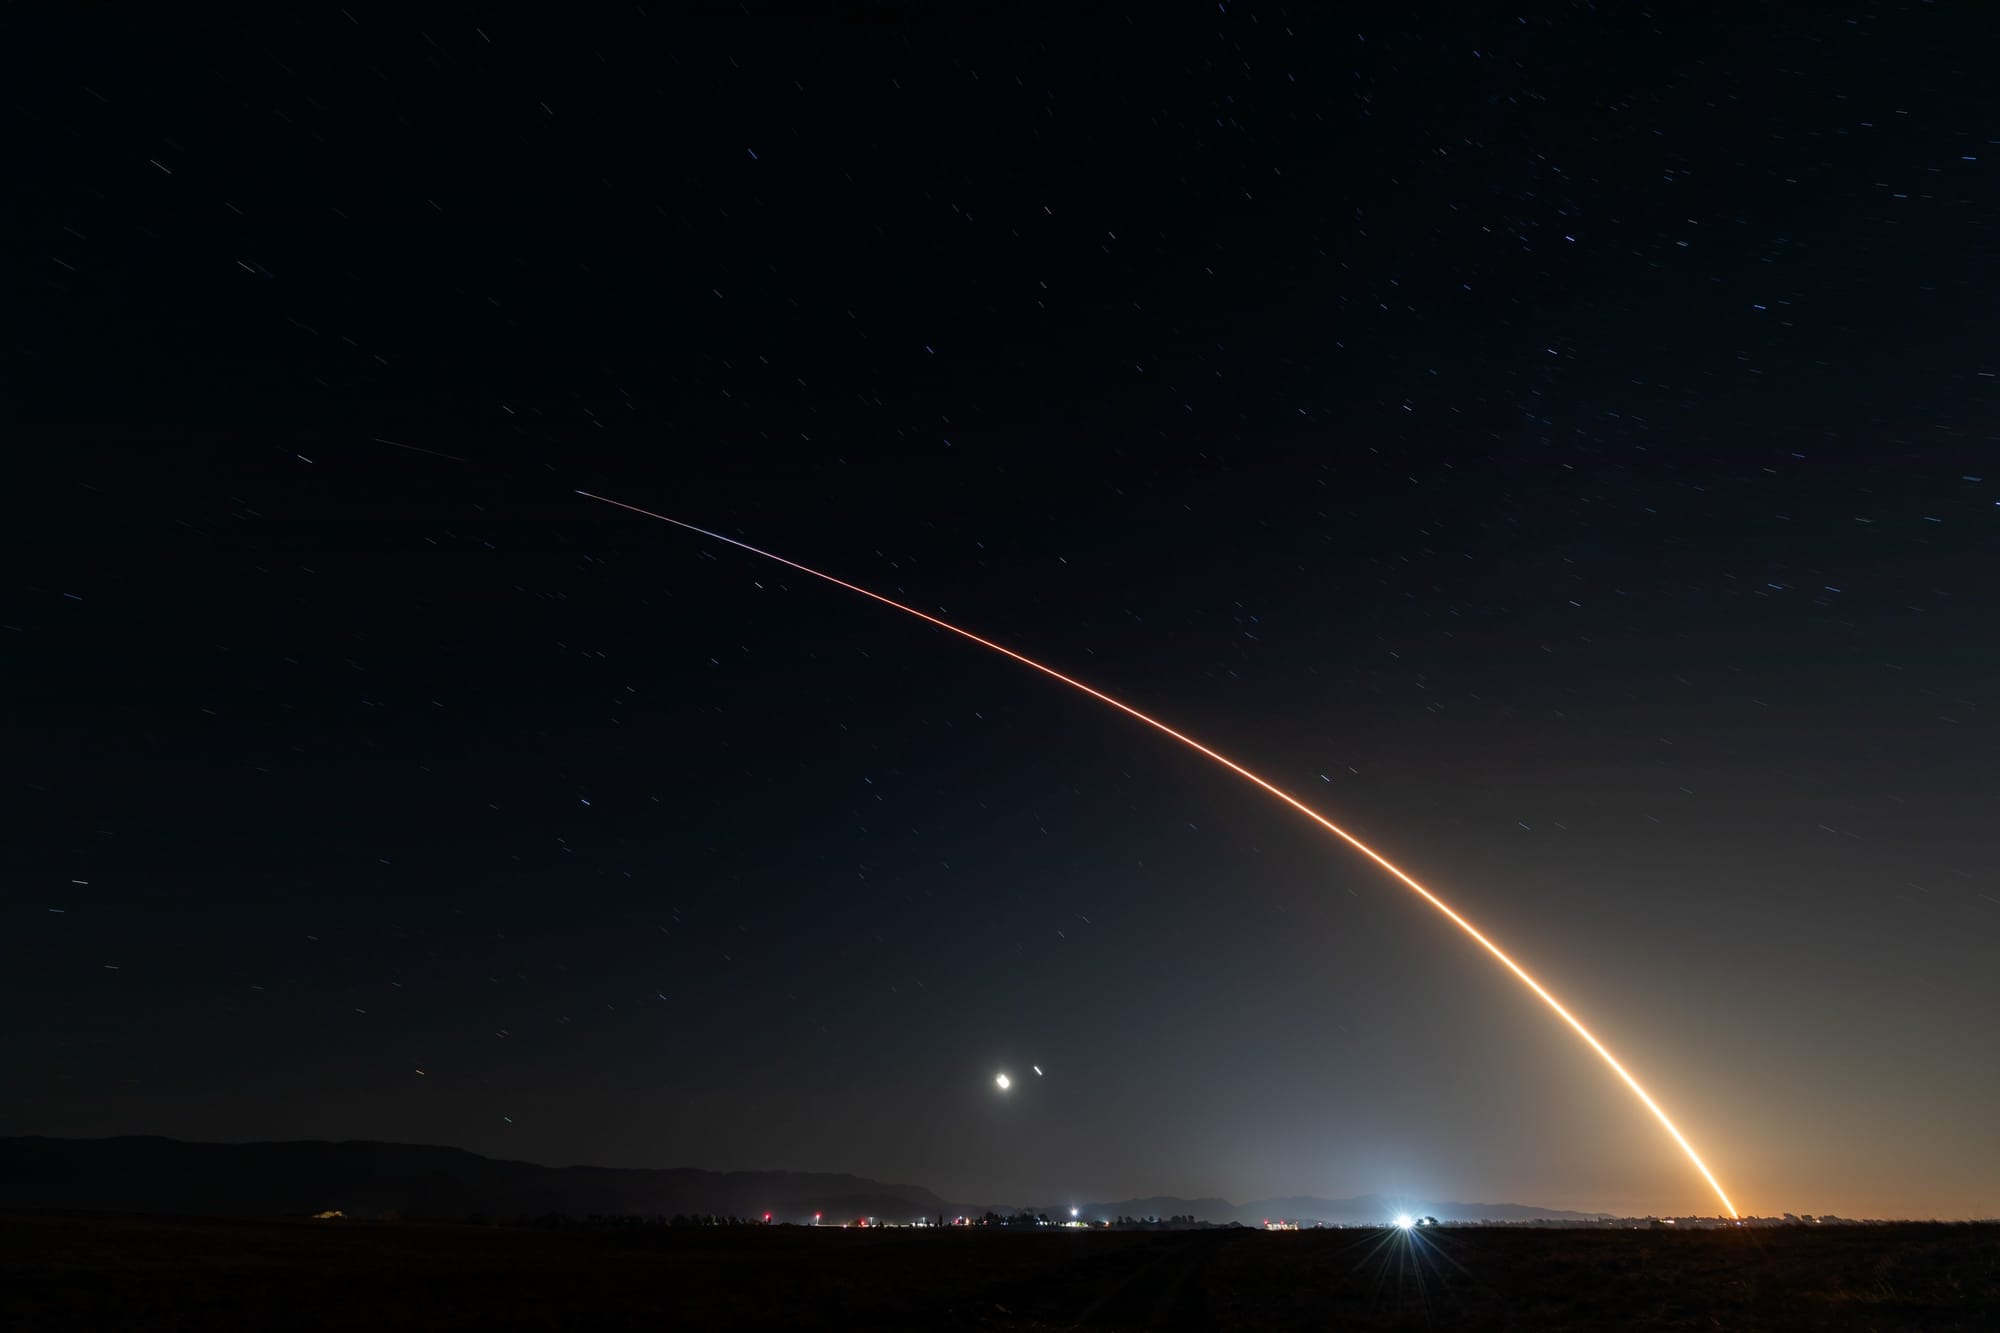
column 79, row 1271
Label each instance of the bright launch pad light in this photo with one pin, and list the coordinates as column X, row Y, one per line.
column 1403, row 877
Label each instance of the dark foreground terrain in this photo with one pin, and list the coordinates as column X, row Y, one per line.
column 86, row 1271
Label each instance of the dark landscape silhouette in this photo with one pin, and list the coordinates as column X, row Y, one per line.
column 416, row 1181
column 397, row 1180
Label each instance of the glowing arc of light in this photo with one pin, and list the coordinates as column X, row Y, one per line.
column 1499, row 954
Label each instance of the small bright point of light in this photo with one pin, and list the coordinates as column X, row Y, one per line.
column 1405, row 1221
column 1072, row 1212
column 1003, row 1082
column 1038, row 1071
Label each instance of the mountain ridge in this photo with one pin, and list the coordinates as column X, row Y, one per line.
column 366, row 1178
column 370, row 1178
column 1361, row 1209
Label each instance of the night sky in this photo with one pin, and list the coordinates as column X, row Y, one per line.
column 1557, row 442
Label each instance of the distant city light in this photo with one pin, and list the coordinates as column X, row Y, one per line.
column 1003, row 1083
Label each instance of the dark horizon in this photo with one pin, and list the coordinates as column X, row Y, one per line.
column 154, row 1174
column 1557, row 445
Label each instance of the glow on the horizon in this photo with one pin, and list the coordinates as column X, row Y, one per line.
column 1402, row 876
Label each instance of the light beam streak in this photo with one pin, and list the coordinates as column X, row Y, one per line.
column 1402, row 876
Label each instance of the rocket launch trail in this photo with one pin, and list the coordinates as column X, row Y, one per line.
column 1401, row 876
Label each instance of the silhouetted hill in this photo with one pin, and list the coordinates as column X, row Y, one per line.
column 1160, row 1205
column 155, row 1175
column 1363, row 1210
column 1374, row 1208
column 362, row 1179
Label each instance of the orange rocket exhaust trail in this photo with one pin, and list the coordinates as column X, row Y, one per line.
column 1499, row 954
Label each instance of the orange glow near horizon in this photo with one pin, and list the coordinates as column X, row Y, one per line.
column 1399, row 874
